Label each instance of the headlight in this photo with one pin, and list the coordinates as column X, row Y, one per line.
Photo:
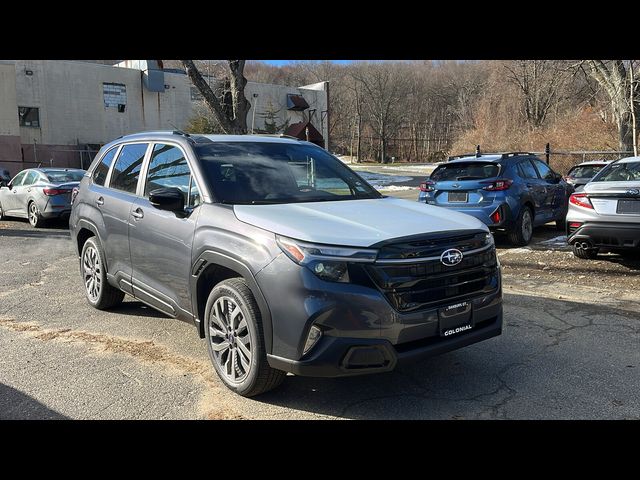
column 489, row 240
column 327, row 262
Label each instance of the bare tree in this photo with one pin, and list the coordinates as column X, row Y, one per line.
column 228, row 103
column 540, row 83
column 614, row 78
column 384, row 85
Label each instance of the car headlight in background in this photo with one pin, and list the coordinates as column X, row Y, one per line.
column 327, row 262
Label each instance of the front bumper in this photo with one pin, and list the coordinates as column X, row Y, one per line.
column 613, row 235
column 362, row 332
column 341, row 357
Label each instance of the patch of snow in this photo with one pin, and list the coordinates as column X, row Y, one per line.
column 394, row 188
column 379, row 179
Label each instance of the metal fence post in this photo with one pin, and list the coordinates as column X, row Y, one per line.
column 547, row 152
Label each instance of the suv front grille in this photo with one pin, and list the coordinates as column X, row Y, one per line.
column 429, row 283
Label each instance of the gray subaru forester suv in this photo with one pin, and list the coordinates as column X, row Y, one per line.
column 283, row 258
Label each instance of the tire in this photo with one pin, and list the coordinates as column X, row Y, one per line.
column 580, row 252
column 2, row 215
column 35, row 219
column 99, row 293
column 522, row 232
column 561, row 223
column 235, row 341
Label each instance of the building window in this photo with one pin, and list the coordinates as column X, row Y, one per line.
column 29, row 116
column 195, row 94
column 115, row 95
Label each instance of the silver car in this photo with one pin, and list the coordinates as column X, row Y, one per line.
column 39, row 194
column 579, row 175
column 605, row 215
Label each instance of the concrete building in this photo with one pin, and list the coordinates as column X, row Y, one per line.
column 60, row 112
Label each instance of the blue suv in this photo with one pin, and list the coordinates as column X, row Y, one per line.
column 512, row 192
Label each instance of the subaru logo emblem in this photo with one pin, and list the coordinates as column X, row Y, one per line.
column 451, row 257
column 633, row 191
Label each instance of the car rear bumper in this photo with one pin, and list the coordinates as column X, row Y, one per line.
column 606, row 234
column 482, row 213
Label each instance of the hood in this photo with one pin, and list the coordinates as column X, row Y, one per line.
column 357, row 223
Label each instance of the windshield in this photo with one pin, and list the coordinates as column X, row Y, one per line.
column 585, row 171
column 620, row 172
column 64, row 176
column 266, row 173
column 465, row 171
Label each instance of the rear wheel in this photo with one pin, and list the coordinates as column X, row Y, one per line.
column 584, row 253
column 99, row 293
column 235, row 340
column 35, row 219
column 522, row 232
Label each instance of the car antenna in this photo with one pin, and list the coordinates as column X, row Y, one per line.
column 177, row 130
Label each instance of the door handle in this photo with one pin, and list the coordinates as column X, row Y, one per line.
column 137, row 213
column 100, row 201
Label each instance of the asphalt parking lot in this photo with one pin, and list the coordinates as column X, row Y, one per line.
column 570, row 349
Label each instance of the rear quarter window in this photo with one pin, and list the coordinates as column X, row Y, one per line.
column 465, row 171
column 100, row 172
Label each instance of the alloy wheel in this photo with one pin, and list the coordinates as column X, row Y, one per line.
column 230, row 340
column 33, row 214
column 527, row 225
column 92, row 271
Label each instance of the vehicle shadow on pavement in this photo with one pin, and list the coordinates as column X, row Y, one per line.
column 547, row 364
column 137, row 309
column 39, row 233
column 15, row 405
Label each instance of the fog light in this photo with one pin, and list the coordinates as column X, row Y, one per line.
column 314, row 335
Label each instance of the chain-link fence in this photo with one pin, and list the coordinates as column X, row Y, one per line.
column 562, row 161
column 58, row 156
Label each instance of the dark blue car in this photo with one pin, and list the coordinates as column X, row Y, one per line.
column 511, row 192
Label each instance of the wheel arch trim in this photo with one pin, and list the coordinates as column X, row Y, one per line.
column 211, row 257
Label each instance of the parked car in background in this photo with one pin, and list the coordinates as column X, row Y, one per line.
column 283, row 258
column 579, row 175
column 39, row 194
column 5, row 177
column 511, row 192
column 605, row 215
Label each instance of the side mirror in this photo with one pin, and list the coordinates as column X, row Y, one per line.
column 171, row 199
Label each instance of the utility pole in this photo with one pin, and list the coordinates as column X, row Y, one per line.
column 634, row 131
column 253, row 119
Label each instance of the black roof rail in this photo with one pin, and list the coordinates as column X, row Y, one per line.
column 513, row 154
column 453, row 157
column 200, row 139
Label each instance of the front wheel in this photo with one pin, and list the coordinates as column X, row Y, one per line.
column 522, row 231
column 235, row 340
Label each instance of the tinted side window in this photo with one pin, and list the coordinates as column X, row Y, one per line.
column 526, row 170
column 17, row 180
column 100, row 172
column 30, row 179
column 168, row 168
column 545, row 171
column 127, row 167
